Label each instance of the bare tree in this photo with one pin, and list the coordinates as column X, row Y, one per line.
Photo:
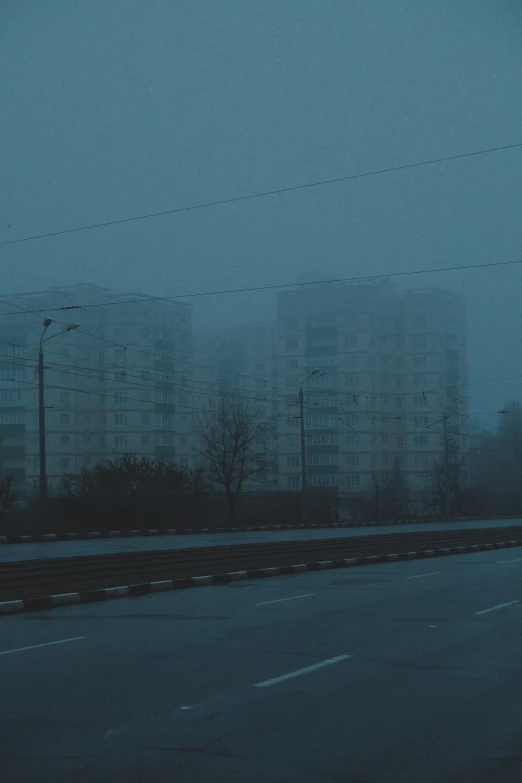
column 235, row 444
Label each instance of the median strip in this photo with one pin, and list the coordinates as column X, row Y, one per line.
column 146, row 588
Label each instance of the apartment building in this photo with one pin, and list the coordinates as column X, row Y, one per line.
column 118, row 382
column 382, row 361
column 242, row 357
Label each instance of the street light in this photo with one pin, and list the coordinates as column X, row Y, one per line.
column 304, row 483
column 41, row 402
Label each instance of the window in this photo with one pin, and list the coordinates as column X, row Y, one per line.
column 420, row 440
column 291, row 325
column 102, row 420
column 183, row 463
column 374, row 460
column 372, row 401
column 293, row 482
column 292, row 441
column 353, row 360
column 120, row 441
column 291, row 344
column 419, row 322
column 119, row 354
column 145, row 397
column 14, row 418
column 385, row 456
column 352, row 420
column 351, row 381
column 166, row 421
column 65, row 398
column 398, row 403
column 352, row 441
column 419, row 381
column 419, row 401
column 36, row 463
column 145, row 441
column 322, row 459
column 163, row 334
column 292, row 364
column 64, row 463
column 165, row 397
column 183, row 441
column 144, row 375
column 183, row 400
column 419, row 342
column 322, row 439
column 422, row 460
column 120, row 399
column 323, row 382
column 324, row 421
column 324, row 480
column 64, row 441
column 165, row 439
column 102, row 441
column 373, row 421
column 145, row 418
column 351, row 321
column 293, row 462
column 120, row 419
column 183, row 422
column 353, row 460
column 419, row 361
column 398, row 383
column 353, row 481
column 351, row 340
column 64, row 375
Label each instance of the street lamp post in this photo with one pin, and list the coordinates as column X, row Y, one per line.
column 41, row 404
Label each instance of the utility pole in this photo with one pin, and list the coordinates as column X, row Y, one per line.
column 41, row 404
column 447, row 477
column 304, row 484
column 41, row 423
column 447, row 487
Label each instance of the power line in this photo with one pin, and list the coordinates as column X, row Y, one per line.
column 265, row 193
column 130, row 348
column 273, row 287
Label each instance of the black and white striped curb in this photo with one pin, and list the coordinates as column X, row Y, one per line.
column 37, row 539
column 90, row 596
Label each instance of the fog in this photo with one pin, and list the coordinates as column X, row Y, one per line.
column 116, row 108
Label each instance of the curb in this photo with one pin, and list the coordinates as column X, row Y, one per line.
column 45, row 537
column 127, row 591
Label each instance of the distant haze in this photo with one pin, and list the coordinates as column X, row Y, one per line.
column 114, row 108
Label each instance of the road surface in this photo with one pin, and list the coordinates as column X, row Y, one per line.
column 401, row 673
column 13, row 552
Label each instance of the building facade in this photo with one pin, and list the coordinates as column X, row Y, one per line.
column 119, row 382
column 388, row 367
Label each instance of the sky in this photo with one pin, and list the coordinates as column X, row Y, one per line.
column 116, row 108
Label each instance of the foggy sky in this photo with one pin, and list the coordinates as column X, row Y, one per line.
column 110, row 108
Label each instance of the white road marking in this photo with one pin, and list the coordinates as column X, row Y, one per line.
column 515, row 560
column 299, row 672
column 279, row 600
column 45, row 644
column 419, row 576
column 494, row 608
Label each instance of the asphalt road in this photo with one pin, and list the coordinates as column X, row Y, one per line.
column 14, row 552
column 402, row 673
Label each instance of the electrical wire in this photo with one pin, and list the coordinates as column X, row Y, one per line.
column 265, row 193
